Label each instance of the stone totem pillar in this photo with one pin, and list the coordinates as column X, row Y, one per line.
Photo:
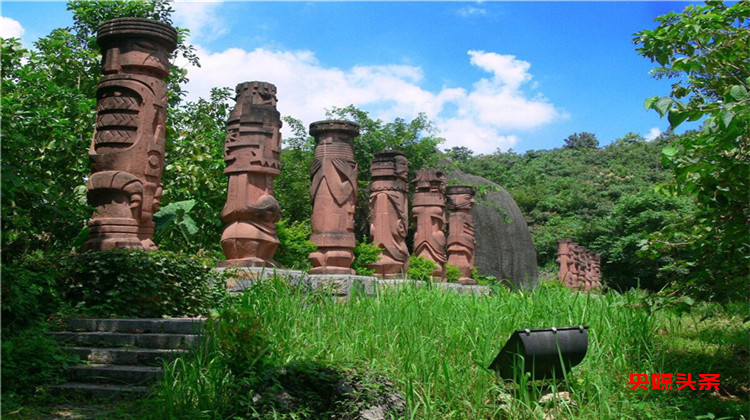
column 461, row 242
column 127, row 152
column 574, row 270
column 429, row 212
column 389, row 212
column 334, row 195
column 563, row 258
column 252, row 154
column 597, row 271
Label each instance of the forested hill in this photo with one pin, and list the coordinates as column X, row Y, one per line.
column 603, row 197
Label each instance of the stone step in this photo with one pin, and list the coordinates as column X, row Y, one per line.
column 126, row 356
column 100, row 391
column 114, row 374
column 106, row 339
column 138, row 326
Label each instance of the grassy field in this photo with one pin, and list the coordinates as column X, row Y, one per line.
column 435, row 347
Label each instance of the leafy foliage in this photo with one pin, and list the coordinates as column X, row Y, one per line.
column 365, row 253
column 708, row 48
column 583, row 140
column 295, row 246
column 452, row 273
column 128, row 283
column 421, row 268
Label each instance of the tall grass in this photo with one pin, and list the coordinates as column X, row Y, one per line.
column 436, row 346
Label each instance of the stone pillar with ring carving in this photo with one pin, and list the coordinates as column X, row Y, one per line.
column 389, row 212
column 252, row 152
column 127, row 152
column 429, row 211
column 461, row 242
column 333, row 191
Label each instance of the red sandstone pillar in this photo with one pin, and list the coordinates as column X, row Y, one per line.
column 334, row 196
column 389, row 212
column 574, row 270
column 252, row 152
column 461, row 242
column 429, row 212
column 127, row 152
column 563, row 259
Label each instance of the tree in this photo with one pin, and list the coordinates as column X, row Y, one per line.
column 583, row 140
column 707, row 48
column 460, row 153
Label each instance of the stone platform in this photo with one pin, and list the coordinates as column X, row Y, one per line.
column 336, row 284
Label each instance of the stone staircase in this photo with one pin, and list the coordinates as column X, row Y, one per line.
column 123, row 357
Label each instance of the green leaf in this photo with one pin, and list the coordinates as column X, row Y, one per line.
column 739, row 93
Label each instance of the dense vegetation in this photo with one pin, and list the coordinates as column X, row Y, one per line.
column 669, row 212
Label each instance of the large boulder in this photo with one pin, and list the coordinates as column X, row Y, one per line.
column 504, row 247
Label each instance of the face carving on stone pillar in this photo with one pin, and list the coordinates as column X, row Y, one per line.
column 129, row 136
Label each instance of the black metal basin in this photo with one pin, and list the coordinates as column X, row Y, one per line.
column 544, row 353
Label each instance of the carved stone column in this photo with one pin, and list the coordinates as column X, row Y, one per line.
column 429, row 212
column 252, row 153
column 597, row 271
column 127, row 152
column 461, row 242
column 389, row 212
column 334, row 195
column 563, row 259
column 574, row 268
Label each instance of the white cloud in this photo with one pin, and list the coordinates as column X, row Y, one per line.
column 10, row 28
column 468, row 11
column 652, row 134
column 201, row 18
column 481, row 117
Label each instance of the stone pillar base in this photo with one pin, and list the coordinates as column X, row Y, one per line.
column 331, row 270
column 467, row 281
column 248, row 262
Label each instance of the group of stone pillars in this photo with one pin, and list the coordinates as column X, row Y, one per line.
column 580, row 268
column 127, row 159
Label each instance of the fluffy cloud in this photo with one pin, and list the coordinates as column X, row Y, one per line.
column 652, row 134
column 481, row 117
column 200, row 17
column 10, row 28
column 468, row 11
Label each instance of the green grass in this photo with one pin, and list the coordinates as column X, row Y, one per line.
column 435, row 347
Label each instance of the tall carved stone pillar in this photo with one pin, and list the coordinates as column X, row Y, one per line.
column 575, row 268
column 334, row 195
column 597, row 271
column 389, row 212
column 127, row 152
column 252, row 154
column 461, row 242
column 563, row 259
column 429, row 212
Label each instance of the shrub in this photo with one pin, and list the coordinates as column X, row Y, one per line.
column 421, row 268
column 30, row 293
column 452, row 273
column 365, row 253
column 129, row 283
column 30, row 359
column 294, row 247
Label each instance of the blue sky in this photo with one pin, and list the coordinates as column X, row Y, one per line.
column 521, row 75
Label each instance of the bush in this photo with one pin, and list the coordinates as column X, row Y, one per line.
column 30, row 359
column 129, row 283
column 294, row 247
column 365, row 253
column 30, row 293
column 420, row 268
column 452, row 273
